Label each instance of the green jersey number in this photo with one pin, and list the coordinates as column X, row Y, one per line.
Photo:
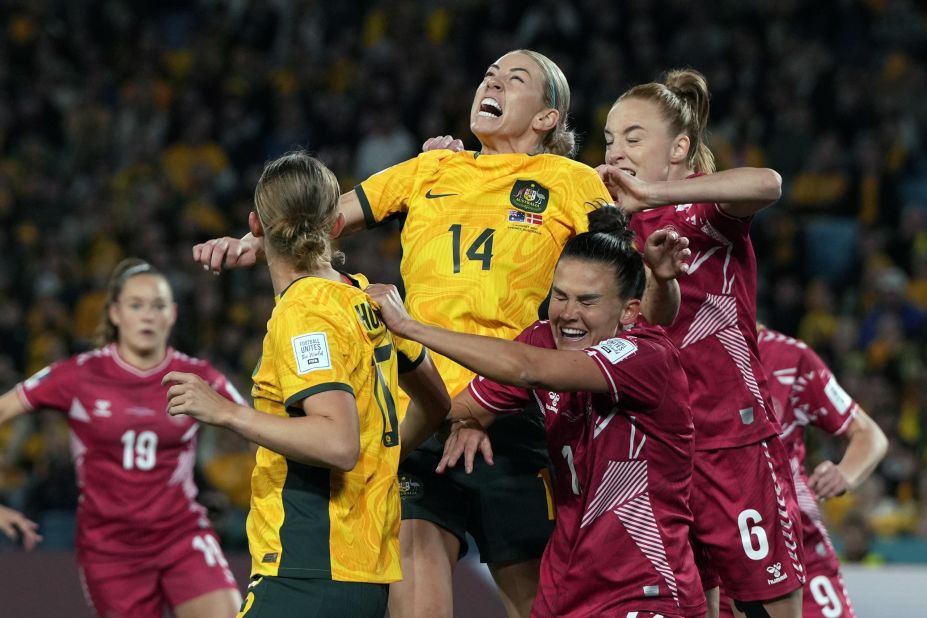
column 480, row 250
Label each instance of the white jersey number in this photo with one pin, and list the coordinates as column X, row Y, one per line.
column 212, row 553
column 825, row 596
column 139, row 450
column 747, row 521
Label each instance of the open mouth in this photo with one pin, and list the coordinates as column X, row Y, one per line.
column 490, row 107
column 628, row 170
column 572, row 334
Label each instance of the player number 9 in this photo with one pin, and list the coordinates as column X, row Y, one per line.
column 825, row 596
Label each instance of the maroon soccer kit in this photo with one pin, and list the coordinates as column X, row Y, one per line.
column 134, row 465
column 623, row 463
column 745, row 530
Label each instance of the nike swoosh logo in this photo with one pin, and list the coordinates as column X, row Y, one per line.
column 432, row 196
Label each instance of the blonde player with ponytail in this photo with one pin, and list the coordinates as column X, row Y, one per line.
column 323, row 529
column 659, row 166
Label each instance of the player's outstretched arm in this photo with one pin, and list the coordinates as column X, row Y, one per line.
column 17, row 526
column 665, row 255
column 427, row 410
column 228, row 252
column 11, row 406
column 866, row 447
column 328, row 435
column 500, row 360
column 741, row 192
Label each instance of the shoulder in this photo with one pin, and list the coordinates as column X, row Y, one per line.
column 190, row 364
column 538, row 335
column 646, row 341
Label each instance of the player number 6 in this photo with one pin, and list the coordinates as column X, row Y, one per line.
column 747, row 522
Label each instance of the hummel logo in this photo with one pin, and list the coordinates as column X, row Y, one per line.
column 432, row 196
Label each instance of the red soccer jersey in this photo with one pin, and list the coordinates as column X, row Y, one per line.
column 805, row 392
column 623, row 463
column 715, row 330
column 134, row 462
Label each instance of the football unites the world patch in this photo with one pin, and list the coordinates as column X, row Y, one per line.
column 517, row 216
column 311, row 352
column 529, row 196
column 616, row 349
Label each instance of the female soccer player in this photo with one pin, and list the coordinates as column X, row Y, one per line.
column 323, row 529
column 805, row 392
column 659, row 167
column 619, row 429
column 481, row 237
column 143, row 542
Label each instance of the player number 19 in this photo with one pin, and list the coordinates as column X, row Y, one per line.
column 138, row 450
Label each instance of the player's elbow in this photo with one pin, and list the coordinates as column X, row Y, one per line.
column 770, row 185
column 346, row 455
column 879, row 442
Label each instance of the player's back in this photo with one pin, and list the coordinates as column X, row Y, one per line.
column 310, row 521
column 134, row 462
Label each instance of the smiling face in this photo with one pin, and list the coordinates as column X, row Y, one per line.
column 640, row 141
column 585, row 307
column 144, row 314
column 508, row 107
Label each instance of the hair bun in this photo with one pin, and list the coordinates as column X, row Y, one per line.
column 610, row 220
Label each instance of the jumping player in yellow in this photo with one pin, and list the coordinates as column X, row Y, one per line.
column 483, row 231
column 323, row 529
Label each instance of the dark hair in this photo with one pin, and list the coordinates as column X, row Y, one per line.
column 107, row 332
column 683, row 98
column 610, row 242
column 296, row 200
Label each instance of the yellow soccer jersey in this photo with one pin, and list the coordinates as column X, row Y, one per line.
column 313, row 522
column 482, row 236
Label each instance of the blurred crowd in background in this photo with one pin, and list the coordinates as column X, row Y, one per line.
column 140, row 128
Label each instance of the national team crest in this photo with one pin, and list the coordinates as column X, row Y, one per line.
column 529, row 196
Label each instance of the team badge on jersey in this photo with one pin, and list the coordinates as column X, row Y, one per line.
column 529, row 196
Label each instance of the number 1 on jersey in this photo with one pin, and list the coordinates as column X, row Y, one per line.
column 480, row 250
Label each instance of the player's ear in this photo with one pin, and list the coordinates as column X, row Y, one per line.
column 629, row 313
column 546, row 120
column 254, row 225
column 338, row 227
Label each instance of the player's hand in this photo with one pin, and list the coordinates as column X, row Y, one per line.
column 189, row 394
column 666, row 253
column 16, row 526
column 228, row 252
column 630, row 193
column 828, row 481
column 388, row 302
column 466, row 438
column 443, row 142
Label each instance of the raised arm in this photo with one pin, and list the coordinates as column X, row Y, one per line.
column 665, row 255
column 328, row 435
column 866, row 447
column 741, row 192
column 228, row 252
column 507, row 362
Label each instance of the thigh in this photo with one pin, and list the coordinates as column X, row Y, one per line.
column 825, row 596
column 192, row 567
column 271, row 597
column 746, row 520
column 429, row 554
column 436, row 498
column 122, row 590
